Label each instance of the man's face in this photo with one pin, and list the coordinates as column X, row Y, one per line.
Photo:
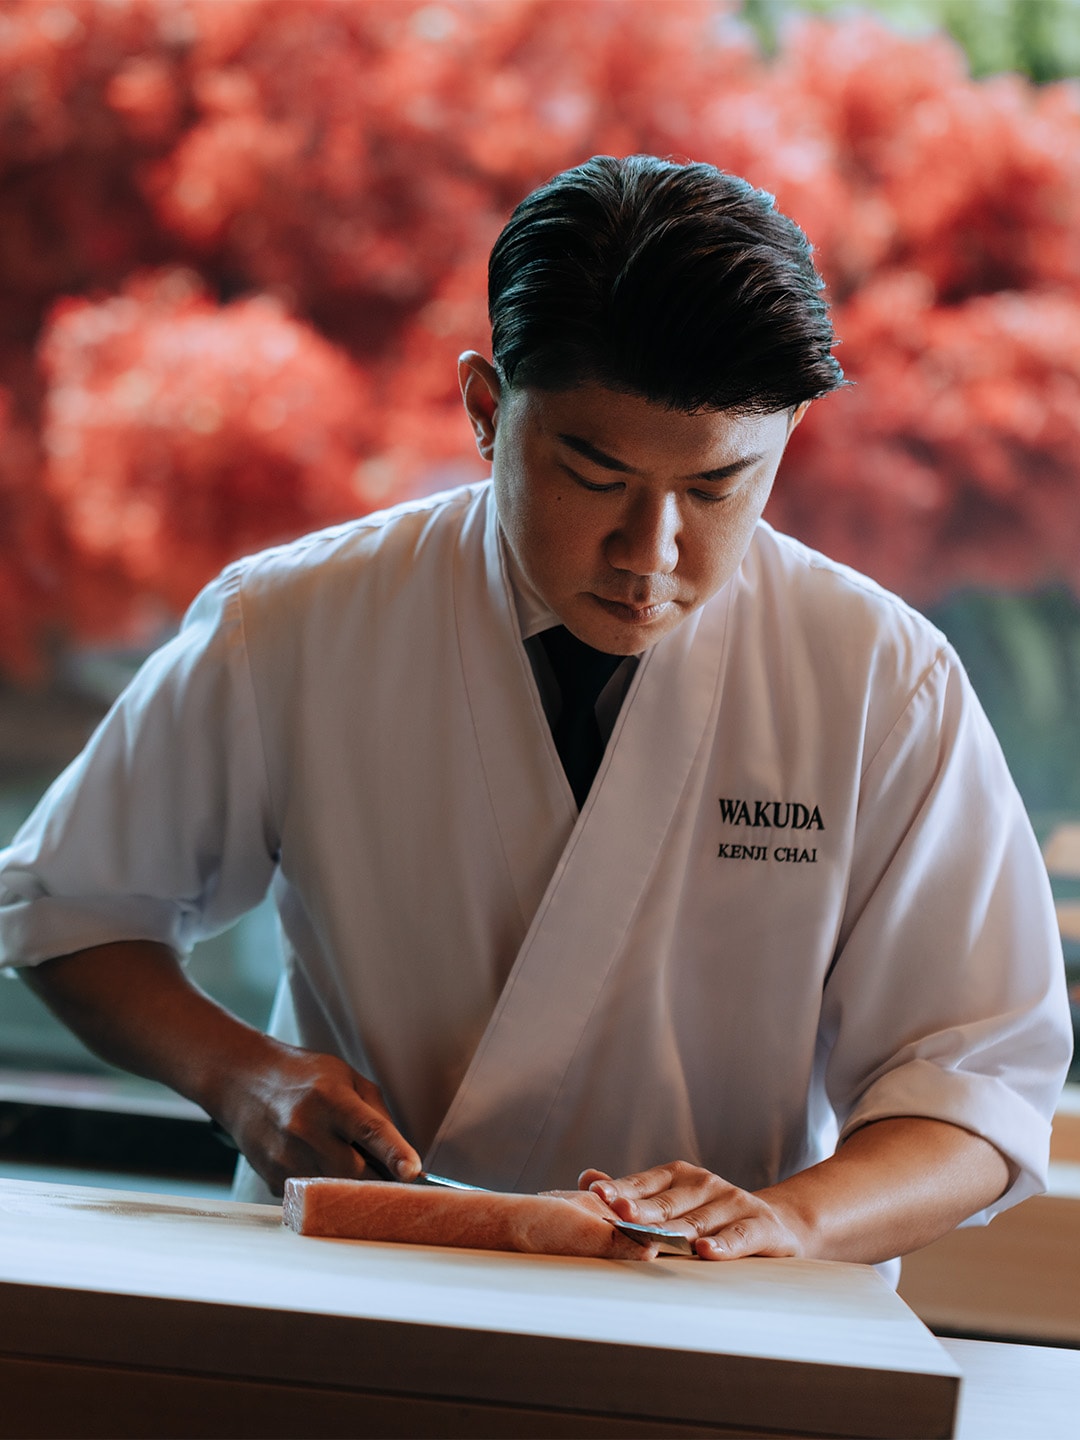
column 625, row 516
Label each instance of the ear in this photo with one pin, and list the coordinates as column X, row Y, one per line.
column 797, row 414
column 480, row 390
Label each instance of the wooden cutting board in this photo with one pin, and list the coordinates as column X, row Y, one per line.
column 102, row 1282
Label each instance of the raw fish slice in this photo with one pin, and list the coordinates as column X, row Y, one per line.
column 560, row 1222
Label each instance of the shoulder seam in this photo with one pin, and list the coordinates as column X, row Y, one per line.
column 253, row 698
column 374, row 520
column 853, row 579
column 941, row 658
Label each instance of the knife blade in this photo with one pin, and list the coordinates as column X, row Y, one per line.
column 670, row 1242
column 443, row 1182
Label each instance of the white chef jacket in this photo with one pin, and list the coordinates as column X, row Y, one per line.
column 802, row 893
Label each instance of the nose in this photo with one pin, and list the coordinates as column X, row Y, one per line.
column 646, row 540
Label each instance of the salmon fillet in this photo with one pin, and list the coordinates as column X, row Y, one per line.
column 559, row 1222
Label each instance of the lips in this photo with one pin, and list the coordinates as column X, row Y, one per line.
column 631, row 612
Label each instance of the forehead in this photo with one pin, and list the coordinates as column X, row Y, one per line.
column 644, row 435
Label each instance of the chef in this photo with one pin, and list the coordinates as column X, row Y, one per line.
column 616, row 839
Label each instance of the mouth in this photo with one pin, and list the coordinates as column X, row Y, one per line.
column 631, row 614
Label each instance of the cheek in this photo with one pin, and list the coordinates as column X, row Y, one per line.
column 722, row 544
column 557, row 524
column 544, row 534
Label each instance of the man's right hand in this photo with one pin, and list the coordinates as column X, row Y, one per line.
column 296, row 1112
column 290, row 1111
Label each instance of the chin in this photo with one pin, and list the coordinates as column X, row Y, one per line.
column 621, row 638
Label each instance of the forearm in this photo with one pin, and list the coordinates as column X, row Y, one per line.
column 291, row 1111
column 893, row 1187
column 132, row 1003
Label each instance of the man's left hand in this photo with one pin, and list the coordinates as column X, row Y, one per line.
column 893, row 1186
column 724, row 1222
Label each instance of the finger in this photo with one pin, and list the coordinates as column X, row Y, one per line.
column 375, row 1138
column 686, row 1196
column 370, row 1093
column 749, row 1235
column 373, row 1168
column 631, row 1187
column 344, row 1160
column 319, row 1152
column 402, row 1162
column 588, row 1178
column 385, row 1151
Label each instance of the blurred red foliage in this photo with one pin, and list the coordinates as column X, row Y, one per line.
column 178, row 432
column 277, row 213
column 30, row 547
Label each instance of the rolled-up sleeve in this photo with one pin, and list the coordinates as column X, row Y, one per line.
column 162, row 828
column 950, row 963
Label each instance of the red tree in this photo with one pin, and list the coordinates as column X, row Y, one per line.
column 353, row 159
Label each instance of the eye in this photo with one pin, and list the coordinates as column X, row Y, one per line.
column 590, row 484
column 711, row 497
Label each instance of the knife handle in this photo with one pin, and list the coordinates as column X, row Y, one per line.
column 373, row 1163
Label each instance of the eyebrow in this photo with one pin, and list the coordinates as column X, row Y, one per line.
column 609, row 462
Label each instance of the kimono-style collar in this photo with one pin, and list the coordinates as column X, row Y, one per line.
column 533, row 612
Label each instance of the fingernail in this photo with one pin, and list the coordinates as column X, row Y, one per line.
column 606, row 1192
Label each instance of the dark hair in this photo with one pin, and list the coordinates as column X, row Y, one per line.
column 677, row 282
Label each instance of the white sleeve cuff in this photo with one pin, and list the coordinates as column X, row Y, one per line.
column 979, row 1103
column 32, row 931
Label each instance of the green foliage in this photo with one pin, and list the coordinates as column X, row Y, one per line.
column 1023, row 655
column 1037, row 38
